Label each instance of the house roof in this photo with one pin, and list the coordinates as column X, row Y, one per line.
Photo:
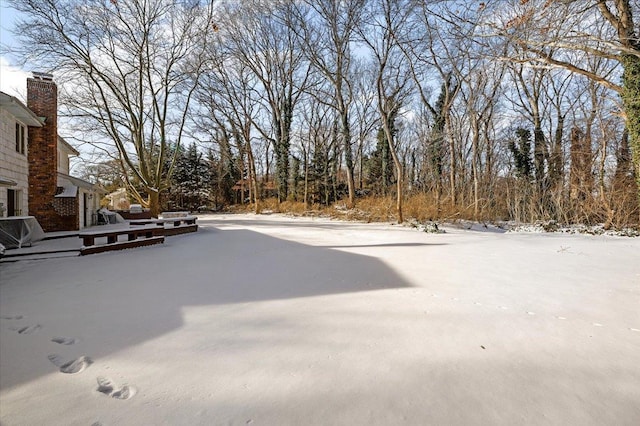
column 66, row 146
column 68, row 191
column 80, row 183
column 118, row 193
column 19, row 110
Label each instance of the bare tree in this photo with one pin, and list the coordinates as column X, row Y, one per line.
column 318, row 144
column 469, row 97
column 480, row 93
column 328, row 33
column 130, row 69
column 603, row 28
column 437, row 44
column 364, row 116
column 260, row 36
column 227, row 98
column 384, row 23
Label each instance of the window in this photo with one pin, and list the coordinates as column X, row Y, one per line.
column 20, row 142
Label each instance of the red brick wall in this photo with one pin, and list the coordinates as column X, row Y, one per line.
column 67, row 213
column 42, row 99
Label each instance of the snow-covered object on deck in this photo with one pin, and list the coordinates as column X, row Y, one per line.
column 20, row 231
column 108, row 217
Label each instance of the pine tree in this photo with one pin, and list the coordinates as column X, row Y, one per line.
column 190, row 189
column 380, row 164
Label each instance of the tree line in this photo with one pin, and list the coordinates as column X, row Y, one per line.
column 520, row 109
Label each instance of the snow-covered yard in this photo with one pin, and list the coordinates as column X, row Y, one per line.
column 269, row 320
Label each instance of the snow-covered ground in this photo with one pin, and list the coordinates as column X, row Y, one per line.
column 269, row 320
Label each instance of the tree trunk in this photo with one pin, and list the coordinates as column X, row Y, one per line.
column 538, row 155
column 399, row 184
column 253, row 178
column 555, row 161
column 153, row 201
column 631, row 100
column 361, row 161
column 305, row 154
column 474, row 166
column 399, row 171
column 348, row 157
column 452, row 160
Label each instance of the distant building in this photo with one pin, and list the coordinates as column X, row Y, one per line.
column 118, row 200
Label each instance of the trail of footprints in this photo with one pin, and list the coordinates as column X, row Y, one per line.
column 107, row 387
column 30, row 329
column 77, row 365
column 15, row 317
column 74, row 366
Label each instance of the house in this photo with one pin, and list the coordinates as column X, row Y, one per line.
column 59, row 201
column 16, row 120
column 118, row 200
column 34, row 163
column 85, row 195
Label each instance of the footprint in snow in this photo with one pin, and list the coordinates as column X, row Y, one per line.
column 77, row 365
column 107, row 387
column 65, row 340
column 27, row 329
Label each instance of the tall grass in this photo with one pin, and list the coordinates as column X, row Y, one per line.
column 419, row 207
column 422, row 207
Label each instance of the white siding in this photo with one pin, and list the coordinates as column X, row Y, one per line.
column 13, row 165
column 87, row 211
column 63, row 159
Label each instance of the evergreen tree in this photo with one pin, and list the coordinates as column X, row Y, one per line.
column 522, row 154
column 380, row 164
column 436, row 147
column 190, row 181
column 223, row 173
column 320, row 174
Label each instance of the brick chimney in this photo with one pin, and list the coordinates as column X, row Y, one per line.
column 42, row 99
